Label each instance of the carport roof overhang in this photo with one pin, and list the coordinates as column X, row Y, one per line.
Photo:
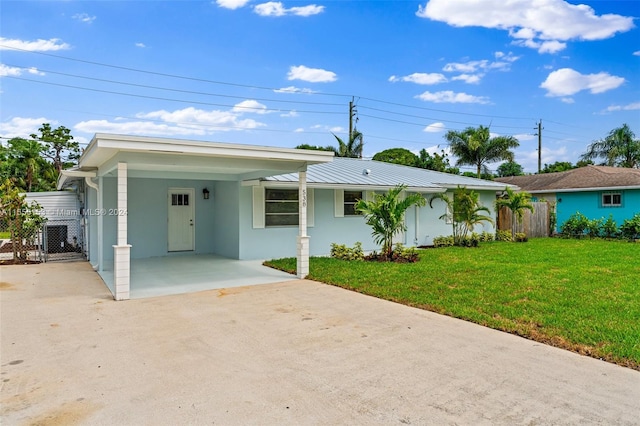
column 187, row 159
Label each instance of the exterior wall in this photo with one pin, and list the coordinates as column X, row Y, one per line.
column 56, row 205
column 148, row 216
column 276, row 242
column 589, row 204
column 225, row 238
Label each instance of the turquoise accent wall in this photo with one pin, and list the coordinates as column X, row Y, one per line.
column 590, row 204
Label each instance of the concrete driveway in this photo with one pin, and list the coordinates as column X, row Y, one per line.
column 297, row 352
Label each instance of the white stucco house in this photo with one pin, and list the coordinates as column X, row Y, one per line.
column 154, row 197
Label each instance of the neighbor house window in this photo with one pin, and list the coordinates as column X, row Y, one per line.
column 611, row 199
column 281, row 207
column 350, row 200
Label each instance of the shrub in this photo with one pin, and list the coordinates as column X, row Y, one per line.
column 503, row 236
column 630, row 228
column 594, row 227
column 521, row 237
column 399, row 254
column 472, row 240
column 443, row 241
column 486, row 236
column 575, row 226
column 610, row 228
column 341, row 251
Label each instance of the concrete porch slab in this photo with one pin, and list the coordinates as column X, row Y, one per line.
column 161, row 276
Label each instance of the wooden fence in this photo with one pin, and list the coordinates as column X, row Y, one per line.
column 534, row 224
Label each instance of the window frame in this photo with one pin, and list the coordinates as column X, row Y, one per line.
column 611, row 195
column 276, row 201
column 346, row 203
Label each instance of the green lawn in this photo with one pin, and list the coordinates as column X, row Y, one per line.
column 581, row 295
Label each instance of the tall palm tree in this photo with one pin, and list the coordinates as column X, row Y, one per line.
column 517, row 202
column 475, row 147
column 352, row 148
column 619, row 148
column 385, row 215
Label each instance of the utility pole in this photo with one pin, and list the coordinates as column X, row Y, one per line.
column 353, row 112
column 539, row 146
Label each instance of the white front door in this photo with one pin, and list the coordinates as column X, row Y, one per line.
column 181, row 219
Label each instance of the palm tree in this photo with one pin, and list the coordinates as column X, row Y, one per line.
column 352, row 148
column 517, row 202
column 385, row 215
column 463, row 210
column 476, row 147
column 619, row 148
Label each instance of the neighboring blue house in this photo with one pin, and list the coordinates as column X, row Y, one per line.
column 595, row 191
column 154, row 197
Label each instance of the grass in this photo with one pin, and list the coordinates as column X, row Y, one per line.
column 580, row 295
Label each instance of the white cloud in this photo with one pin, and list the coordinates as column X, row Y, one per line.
column 567, row 82
column 84, row 17
column 435, row 128
column 421, row 78
column 141, row 45
column 39, row 45
column 541, row 24
column 231, row 4
column 448, row 96
column 473, row 71
column 629, row 107
column 311, row 75
column 21, row 127
column 187, row 121
column 636, row 53
column 250, row 106
column 7, row 71
column 293, row 89
column 568, row 100
column 276, row 8
column 469, row 78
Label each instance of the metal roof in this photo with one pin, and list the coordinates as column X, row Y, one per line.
column 356, row 172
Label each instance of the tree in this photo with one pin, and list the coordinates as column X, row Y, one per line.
column 476, row 147
column 316, row 147
column 385, row 215
column 510, row 168
column 558, row 166
column 517, row 202
column 60, row 147
column 400, row 156
column 436, row 162
column 20, row 218
column 618, row 148
column 352, row 148
column 463, row 210
column 24, row 165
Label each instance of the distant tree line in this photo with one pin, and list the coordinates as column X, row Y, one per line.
column 474, row 146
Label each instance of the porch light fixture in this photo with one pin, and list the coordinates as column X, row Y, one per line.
column 205, row 193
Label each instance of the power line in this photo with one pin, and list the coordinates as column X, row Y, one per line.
column 192, row 92
column 111, row 92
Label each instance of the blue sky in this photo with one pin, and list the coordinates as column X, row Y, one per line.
column 283, row 73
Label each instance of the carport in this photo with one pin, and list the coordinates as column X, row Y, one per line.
column 132, row 185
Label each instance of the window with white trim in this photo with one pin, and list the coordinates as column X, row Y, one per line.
column 281, row 207
column 350, row 200
column 611, row 199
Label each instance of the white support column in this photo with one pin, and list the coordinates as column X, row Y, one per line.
column 302, row 264
column 122, row 250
